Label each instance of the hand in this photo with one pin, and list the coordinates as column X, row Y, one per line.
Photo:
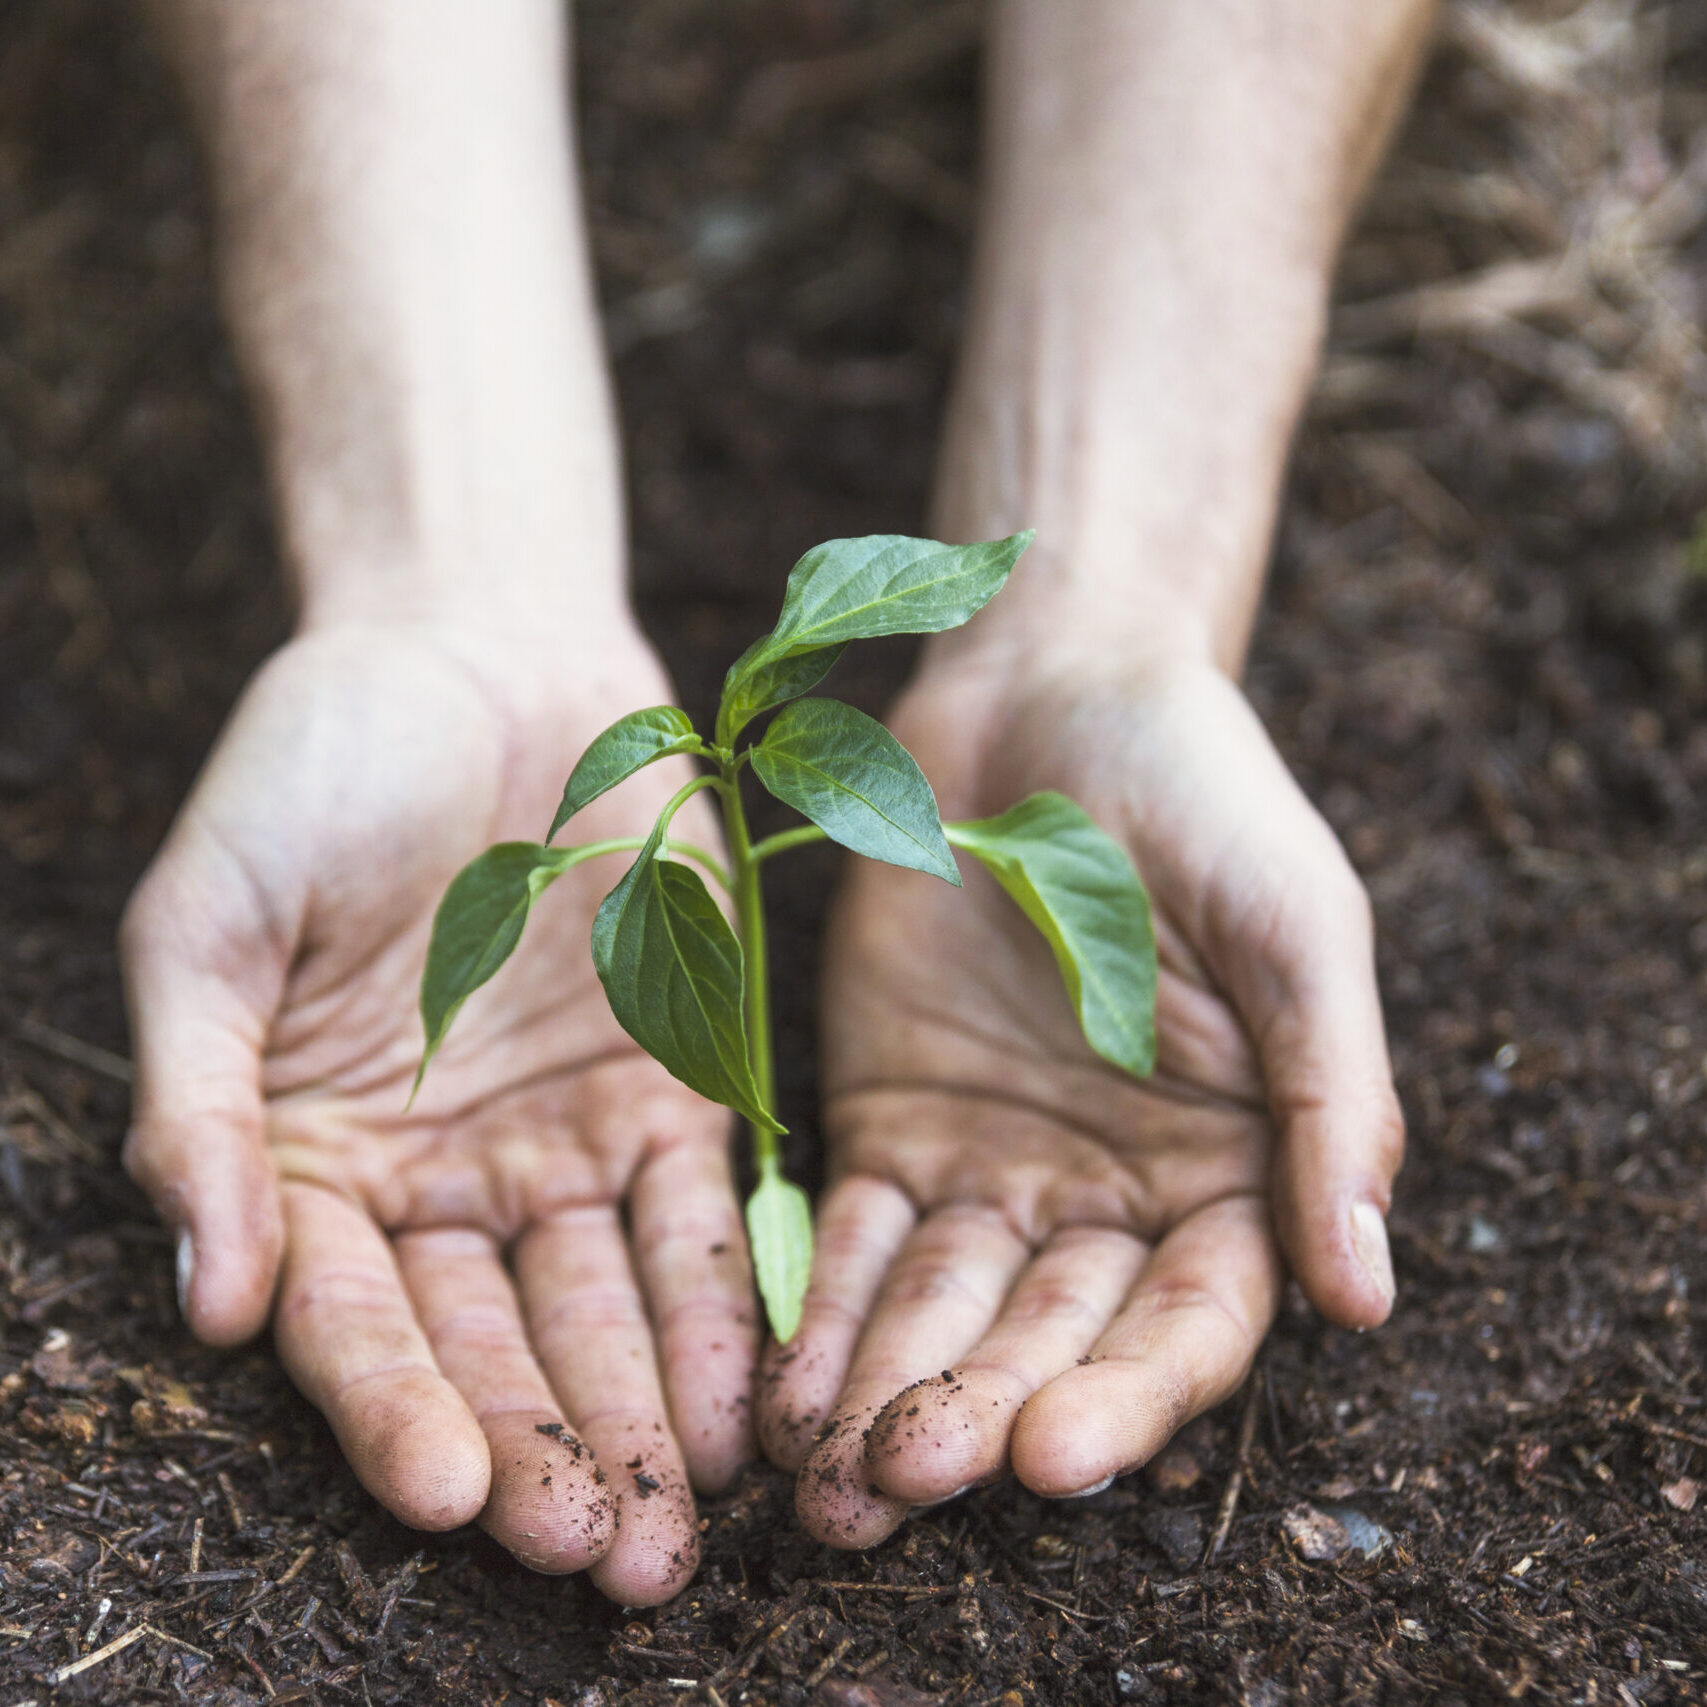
column 550, row 1237
column 1028, row 1261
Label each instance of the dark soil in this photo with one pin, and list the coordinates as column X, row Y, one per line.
column 1485, row 653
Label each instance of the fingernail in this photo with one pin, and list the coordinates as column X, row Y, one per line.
column 1094, row 1488
column 186, row 1272
column 931, row 1505
column 1369, row 1240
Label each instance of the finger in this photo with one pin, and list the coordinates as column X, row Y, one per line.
column 589, row 1326
column 692, row 1252
column 349, row 1338
column 549, row 1503
column 861, row 1225
column 1319, row 1030
column 197, row 1143
column 1181, row 1343
column 939, row 1299
column 944, row 1435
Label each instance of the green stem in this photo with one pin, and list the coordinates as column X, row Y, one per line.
column 633, row 844
column 750, row 919
column 783, row 840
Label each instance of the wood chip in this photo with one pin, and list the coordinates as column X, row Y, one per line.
column 100, row 1655
column 1682, row 1494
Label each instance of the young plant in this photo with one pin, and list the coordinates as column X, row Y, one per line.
column 694, row 992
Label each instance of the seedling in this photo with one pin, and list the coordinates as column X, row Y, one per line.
column 693, row 991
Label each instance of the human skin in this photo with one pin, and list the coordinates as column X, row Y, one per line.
column 406, row 285
column 1029, row 1263
column 550, row 1237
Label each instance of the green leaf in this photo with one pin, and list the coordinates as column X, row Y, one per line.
column 857, row 589
column 1076, row 884
column 672, row 971
column 856, row 782
column 477, row 926
column 752, row 687
column 779, row 1229
column 630, row 744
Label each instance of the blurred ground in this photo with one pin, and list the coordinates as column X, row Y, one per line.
column 1486, row 654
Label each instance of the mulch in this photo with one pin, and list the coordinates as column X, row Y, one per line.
column 1485, row 653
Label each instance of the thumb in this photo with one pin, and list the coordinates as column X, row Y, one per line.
column 202, row 976
column 1316, row 1017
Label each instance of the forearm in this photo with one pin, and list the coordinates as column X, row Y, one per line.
column 407, row 288
column 1166, row 185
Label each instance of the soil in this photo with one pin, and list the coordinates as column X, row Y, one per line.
column 1484, row 653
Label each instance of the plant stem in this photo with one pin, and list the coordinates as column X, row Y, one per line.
column 633, row 844
column 750, row 920
column 783, row 840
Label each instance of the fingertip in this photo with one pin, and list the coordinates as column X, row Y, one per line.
column 711, row 1405
column 553, row 1507
column 417, row 1449
column 1331, row 1219
column 862, row 1223
column 846, row 1511
column 656, row 1549
column 711, row 1396
column 714, row 1466
column 652, row 1584
column 1333, row 1185
column 226, row 1284
column 219, row 1191
column 934, row 1440
column 1068, row 1438
column 795, row 1389
column 691, row 1251
column 835, row 1496
column 1345, row 1265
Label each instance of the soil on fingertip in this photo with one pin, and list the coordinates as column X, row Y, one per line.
column 1485, row 653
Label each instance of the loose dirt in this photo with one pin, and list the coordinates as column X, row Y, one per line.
column 1485, row 654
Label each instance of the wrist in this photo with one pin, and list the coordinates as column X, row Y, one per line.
column 1153, row 518
column 570, row 598
column 532, row 661
column 1065, row 614
column 972, row 714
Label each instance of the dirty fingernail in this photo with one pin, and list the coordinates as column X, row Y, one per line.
column 1094, row 1488
column 185, row 1271
column 1369, row 1240
column 931, row 1505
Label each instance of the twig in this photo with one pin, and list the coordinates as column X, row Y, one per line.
column 195, row 1550
column 1235, row 1482
column 93, row 1633
column 1060, row 1606
column 233, row 1506
column 1664, row 1432
column 116, row 1646
column 297, row 1564
column 828, row 1664
column 74, row 1049
column 920, row 1589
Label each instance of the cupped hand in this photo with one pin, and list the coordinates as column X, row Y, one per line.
column 1028, row 1261
column 527, row 1299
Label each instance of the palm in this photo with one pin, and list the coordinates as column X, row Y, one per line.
column 512, row 1123
column 1068, row 1210
column 952, row 1000
column 457, row 1275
